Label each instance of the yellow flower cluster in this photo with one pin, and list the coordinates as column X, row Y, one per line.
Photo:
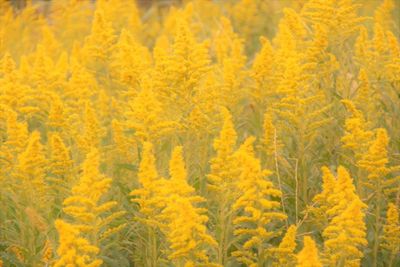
column 199, row 133
column 75, row 250
column 90, row 224
column 284, row 253
column 308, row 256
column 391, row 236
column 255, row 206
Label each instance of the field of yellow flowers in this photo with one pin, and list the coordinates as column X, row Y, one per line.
column 200, row 133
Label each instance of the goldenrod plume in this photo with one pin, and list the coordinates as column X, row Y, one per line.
column 308, row 256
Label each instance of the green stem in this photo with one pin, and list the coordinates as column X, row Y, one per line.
column 151, row 260
column 260, row 249
column 377, row 225
column 279, row 176
column 303, row 176
column 154, row 248
column 360, row 188
column 222, row 235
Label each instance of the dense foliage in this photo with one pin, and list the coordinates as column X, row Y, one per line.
column 200, row 133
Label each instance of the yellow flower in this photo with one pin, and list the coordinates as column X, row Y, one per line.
column 60, row 159
column 49, row 42
column 255, row 208
column 73, row 249
column 147, row 170
column 393, row 66
column 232, row 88
column 295, row 23
column 300, row 107
column 121, row 14
column 367, row 98
column 383, row 14
column 221, row 170
column 81, row 86
column 376, row 159
column 247, row 17
column 98, row 44
column 391, row 231
column 308, row 256
column 56, row 118
column 227, row 44
column 321, row 202
column 329, row 12
column 343, row 193
column 178, row 173
column 90, row 214
column 345, row 236
column 362, row 48
column 8, row 69
column 187, row 232
column 230, row 66
column 221, row 181
column 357, row 136
column 75, row 14
column 186, row 68
column 47, row 252
column 92, row 132
column 319, row 61
column 146, row 115
column 150, row 194
column 375, row 162
column 284, row 253
column 31, row 169
column 130, row 60
column 94, row 95
column 185, row 222
column 17, row 133
column 42, row 76
column 270, row 140
column 262, row 70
